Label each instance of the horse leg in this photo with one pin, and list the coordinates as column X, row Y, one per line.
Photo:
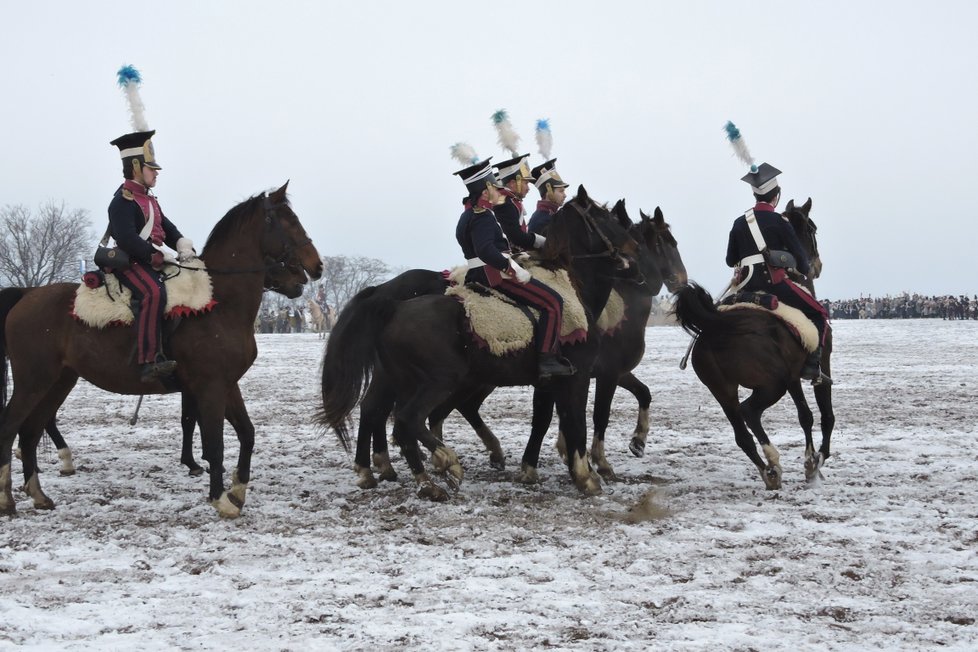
column 32, row 430
column 188, row 422
column 21, row 406
column 469, row 408
column 211, row 409
column 570, row 399
column 409, row 422
column 642, row 394
column 64, row 453
column 543, row 413
column 237, row 415
column 604, row 394
column 752, row 408
column 375, row 408
column 823, row 397
column 806, row 420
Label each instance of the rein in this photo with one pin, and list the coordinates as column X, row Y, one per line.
column 610, row 252
column 272, row 223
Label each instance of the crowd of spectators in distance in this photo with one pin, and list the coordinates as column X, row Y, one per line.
column 905, row 306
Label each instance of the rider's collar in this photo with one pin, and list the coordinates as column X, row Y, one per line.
column 548, row 206
column 763, row 206
column 135, row 187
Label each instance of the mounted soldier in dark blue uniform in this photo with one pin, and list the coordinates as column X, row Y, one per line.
column 488, row 254
column 763, row 248
column 553, row 193
column 515, row 175
column 140, row 228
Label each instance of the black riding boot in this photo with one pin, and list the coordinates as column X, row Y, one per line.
column 812, row 369
column 552, row 364
column 154, row 371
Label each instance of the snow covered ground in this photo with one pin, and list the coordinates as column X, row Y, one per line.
column 881, row 554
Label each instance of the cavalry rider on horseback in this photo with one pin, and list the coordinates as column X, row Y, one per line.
column 139, row 228
column 488, row 254
column 762, row 246
column 515, row 175
column 552, row 193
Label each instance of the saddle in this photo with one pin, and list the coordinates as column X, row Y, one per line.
column 501, row 325
column 613, row 315
column 188, row 292
column 796, row 321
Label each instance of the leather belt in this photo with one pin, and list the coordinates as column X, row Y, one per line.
column 750, row 260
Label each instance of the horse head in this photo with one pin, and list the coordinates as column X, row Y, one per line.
column 654, row 233
column 588, row 231
column 805, row 229
column 288, row 251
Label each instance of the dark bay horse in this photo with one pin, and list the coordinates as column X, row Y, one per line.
column 426, row 355
column 213, row 350
column 756, row 350
column 800, row 219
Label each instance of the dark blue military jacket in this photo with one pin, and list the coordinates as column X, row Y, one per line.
column 778, row 235
column 126, row 220
column 540, row 219
column 509, row 215
column 480, row 236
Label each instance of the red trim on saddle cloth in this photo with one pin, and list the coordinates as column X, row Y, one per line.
column 186, row 311
column 801, row 292
column 617, row 327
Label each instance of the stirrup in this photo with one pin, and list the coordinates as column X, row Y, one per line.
column 821, row 379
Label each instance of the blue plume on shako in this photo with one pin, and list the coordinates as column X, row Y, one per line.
column 129, row 80
column 738, row 144
column 545, row 139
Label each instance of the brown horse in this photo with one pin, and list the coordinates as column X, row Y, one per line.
column 756, row 350
column 213, row 350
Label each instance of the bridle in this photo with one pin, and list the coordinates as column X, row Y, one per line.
column 810, row 230
column 611, row 251
column 285, row 259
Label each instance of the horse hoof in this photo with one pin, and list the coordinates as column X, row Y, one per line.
column 367, row 482
column 590, row 487
column 497, row 462
column 45, row 503
column 528, row 475
column 8, row 510
column 608, row 473
column 388, row 475
column 67, row 472
column 226, row 507
column 772, row 477
column 196, row 472
column 434, row 493
column 637, row 447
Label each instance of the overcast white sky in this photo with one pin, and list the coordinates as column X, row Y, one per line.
column 870, row 108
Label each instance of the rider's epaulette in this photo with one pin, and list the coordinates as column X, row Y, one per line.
column 127, row 194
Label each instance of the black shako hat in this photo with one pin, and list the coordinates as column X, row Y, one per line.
column 477, row 177
column 763, row 180
column 138, row 145
column 513, row 168
column 547, row 173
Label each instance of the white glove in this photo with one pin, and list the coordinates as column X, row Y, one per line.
column 521, row 274
column 185, row 250
column 538, row 241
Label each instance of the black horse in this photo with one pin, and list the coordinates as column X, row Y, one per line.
column 622, row 349
column 426, row 355
column 756, row 350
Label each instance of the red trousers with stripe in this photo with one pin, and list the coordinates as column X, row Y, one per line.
column 149, row 294
column 541, row 296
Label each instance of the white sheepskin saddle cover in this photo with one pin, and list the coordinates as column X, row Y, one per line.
column 613, row 314
column 188, row 292
column 796, row 320
column 504, row 327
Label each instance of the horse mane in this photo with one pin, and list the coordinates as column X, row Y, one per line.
column 234, row 219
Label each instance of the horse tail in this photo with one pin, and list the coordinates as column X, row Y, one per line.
column 695, row 310
column 8, row 299
column 351, row 353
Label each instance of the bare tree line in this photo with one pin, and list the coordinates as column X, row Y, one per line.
column 38, row 248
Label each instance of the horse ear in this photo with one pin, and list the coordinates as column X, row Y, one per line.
column 790, row 207
column 621, row 214
column 643, row 215
column 808, row 205
column 582, row 193
column 278, row 196
column 658, row 218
